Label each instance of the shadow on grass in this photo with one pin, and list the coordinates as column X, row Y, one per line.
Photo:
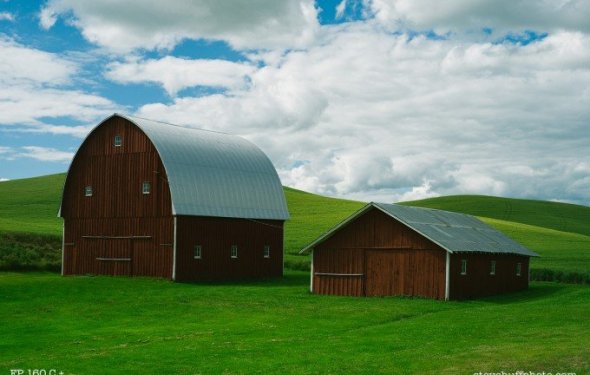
column 536, row 291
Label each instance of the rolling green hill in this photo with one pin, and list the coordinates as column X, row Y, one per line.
column 559, row 232
column 563, row 217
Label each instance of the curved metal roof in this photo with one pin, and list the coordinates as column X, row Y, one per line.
column 454, row 232
column 215, row 174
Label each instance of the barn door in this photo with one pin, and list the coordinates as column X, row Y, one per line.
column 384, row 272
column 114, row 256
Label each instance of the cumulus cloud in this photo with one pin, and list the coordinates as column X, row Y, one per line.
column 175, row 74
column 504, row 15
column 35, row 152
column 366, row 114
column 127, row 25
column 46, row 154
column 32, row 92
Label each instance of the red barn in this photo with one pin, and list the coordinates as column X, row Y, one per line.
column 147, row 198
column 388, row 249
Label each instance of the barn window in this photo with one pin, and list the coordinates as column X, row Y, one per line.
column 234, row 251
column 197, row 251
column 493, row 267
column 463, row 266
column 266, row 251
column 88, row 191
column 518, row 269
column 118, row 141
column 146, row 187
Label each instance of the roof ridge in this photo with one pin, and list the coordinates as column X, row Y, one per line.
column 176, row 125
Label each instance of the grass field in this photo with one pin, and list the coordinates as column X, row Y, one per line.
column 104, row 325
column 559, row 232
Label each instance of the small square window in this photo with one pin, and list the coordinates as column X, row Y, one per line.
column 463, row 266
column 266, row 251
column 234, row 251
column 88, row 191
column 197, row 251
column 118, row 141
column 146, row 187
column 493, row 267
column 518, row 269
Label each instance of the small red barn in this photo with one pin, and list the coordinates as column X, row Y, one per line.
column 147, row 198
column 389, row 249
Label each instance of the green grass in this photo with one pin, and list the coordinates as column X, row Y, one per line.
column 559, row 232
column 31, row 205
column 104, row 325
column 311, row 215
column 560, row 251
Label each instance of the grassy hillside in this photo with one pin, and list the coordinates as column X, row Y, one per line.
column 106, row 325
column 311, row 215
column 559, row 232
column 30, row 205
column 552, row 215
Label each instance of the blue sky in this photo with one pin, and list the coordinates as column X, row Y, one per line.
column 378, row 100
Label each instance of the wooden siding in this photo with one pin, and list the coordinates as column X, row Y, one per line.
column 405, row 272
column 216, row 236
column 375, row 255
column 479, row 283
column 116, row 175
column 390, row 258
column 339, row 272
column 117, row 207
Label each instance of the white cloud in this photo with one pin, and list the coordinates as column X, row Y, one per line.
column 17, row 65
column 2, row 179
column 474, row 15
column 132, row 24
column 366, row 114
column 35, row 85
column 175, row 74
column 46, row 154
column 6, row 16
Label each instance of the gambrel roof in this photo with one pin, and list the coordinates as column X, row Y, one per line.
column 215, row 174
column 454, row 232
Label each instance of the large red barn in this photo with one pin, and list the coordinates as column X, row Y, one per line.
column 147, row 198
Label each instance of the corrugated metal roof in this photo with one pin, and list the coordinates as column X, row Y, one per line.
column 215, row 174
column 454, row 232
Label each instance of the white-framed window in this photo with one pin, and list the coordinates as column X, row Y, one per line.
column 518, row 269
column 266, row 251
column 118, row 141
column 463, row 266
column 88, row 191
column 493, row 267
column 234, row 251
column 146, row 187
column 197, row 251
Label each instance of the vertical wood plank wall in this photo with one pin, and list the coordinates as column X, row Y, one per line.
column 117, row 207
column 375, row 255
column 478, row 282
column 216, row 236
column 391, row 258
